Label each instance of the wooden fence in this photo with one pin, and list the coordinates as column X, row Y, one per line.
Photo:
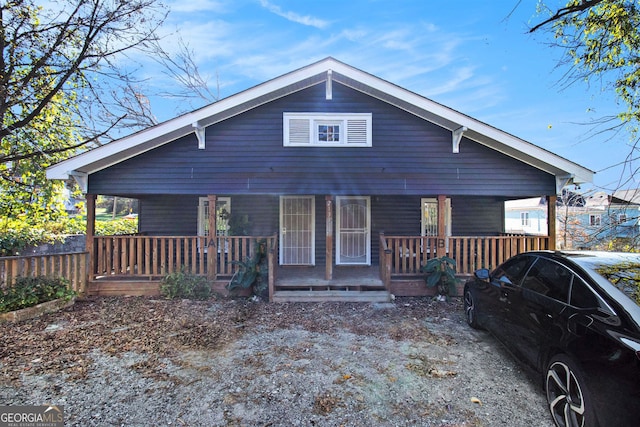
column 71, row 266
column 404, row 255
column 156, row 256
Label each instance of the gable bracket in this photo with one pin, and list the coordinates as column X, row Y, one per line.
column 329, row 92
column 456, row 136
column 563, row 181
column 82, row 179
column 200, row 133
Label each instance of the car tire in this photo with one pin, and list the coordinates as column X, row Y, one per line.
column 470, row 310
column 568, row 395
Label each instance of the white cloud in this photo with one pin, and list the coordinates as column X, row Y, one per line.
column 422, row 57
column 294, row 17
column 190, row 6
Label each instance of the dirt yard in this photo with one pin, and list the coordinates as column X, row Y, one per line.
column 141, row 361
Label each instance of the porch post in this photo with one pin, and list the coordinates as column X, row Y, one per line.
column 551, row 221
column 212, row 241
column 91, row 231
column 441, row 247
column 328, row 272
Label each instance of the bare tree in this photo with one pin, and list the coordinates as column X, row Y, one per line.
column 63, row 57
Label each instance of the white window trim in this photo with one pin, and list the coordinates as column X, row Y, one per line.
column 447, row 215
column 305, row 134
column 525, row 220
column 203, row 216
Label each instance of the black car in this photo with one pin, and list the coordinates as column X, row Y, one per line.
column 574, row 318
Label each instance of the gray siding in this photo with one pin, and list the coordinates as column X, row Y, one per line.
column 168, row 216
column 244, row 155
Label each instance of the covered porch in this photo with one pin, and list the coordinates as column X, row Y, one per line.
column 135, row 264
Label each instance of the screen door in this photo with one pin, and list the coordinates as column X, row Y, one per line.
column 353, row 240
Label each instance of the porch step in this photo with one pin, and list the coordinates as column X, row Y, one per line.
column 123, row 287
column 331, row 296
column 330, row 286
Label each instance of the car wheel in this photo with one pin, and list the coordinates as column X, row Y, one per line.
column 567, row 394
column 470, row 309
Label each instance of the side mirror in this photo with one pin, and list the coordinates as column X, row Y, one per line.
column 482, row 274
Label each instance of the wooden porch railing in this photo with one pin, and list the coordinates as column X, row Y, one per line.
column 404, row 255
column 71, row 266
column 155, row 256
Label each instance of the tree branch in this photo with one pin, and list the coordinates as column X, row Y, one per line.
column 562, row 12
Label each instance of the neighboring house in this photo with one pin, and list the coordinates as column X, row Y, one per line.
column 623, row 226
column 338, row 168
column 580, row 219
column 526, row 216
column 603, row 221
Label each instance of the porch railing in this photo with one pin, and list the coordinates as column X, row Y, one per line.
column 155, row 256
column 404, row 255
column 70, row 266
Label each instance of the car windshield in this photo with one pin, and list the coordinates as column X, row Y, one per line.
column 623, row 271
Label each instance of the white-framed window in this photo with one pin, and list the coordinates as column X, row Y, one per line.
column 430, row 217
column 622, row 218
column 524, row 219
column 595, row 220
column 223, row 212
column 327, row 129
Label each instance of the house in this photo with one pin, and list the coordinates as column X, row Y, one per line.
column 341, row 172
column 597, row 221
column 526, row 216
column 580, row 220
column 609, row 221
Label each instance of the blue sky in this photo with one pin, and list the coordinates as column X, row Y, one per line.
column 473, row 56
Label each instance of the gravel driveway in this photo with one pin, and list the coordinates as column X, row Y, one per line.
column 140, row 361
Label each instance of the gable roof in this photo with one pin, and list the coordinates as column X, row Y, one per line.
column 630, row 196
column 326, row 70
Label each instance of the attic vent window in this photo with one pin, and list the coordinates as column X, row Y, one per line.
column 327, row 130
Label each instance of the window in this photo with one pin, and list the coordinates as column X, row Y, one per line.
column 430, row 217
column 550, row 279
column 524, row 219
column 594, row 220
column 327, row 130
column 512, row 271
column 622, row 217
column 582, row 296
column 223, row 211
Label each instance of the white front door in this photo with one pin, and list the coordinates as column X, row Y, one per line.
column 297, row 230
column 353, row 237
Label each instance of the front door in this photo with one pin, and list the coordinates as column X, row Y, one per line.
column 297, row 230
column 353, row 237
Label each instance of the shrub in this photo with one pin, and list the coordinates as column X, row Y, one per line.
column 14, row 241
column 252, row 273
column 29, row 291
column 116, row 227
column 183, row 284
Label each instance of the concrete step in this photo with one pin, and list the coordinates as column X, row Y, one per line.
column 331, row 296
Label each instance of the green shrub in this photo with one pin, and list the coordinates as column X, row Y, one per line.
column 183, row 284
column 29, row 291
column 116, row 227
column 252, row 273
column 14, row 241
